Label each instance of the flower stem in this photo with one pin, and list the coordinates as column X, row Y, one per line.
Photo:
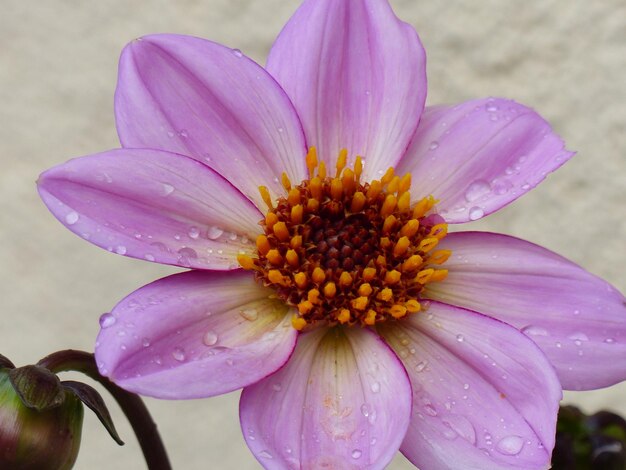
column 133, row 407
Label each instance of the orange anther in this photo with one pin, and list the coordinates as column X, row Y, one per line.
column 397, row 311
column 423, row 277
column 370, row 317
column 345, row 279
column 439, row 256
column 296, row 242
column 404, row 201
column 270, row 220
column 439, row 231
column 374, row 190
column 311, row 160
column 296, row 214
column 392, row 277
column 388, row 176
column 262, row 244
column 300, row 280
column 343, row 316
column 439, row 275
column 358, row 202
column 389, row 223
column 245, row 261
column 369, row 274
column 265, row 195
column 336, row 189
column 393, row 185
column 292, row 258
column 389, row 205
column 293, row 197
column 412, row 306
column 360, row 303
column 313, row 296
column 401, row 246
column 410, row 228
column 285, row 181
column 411, row 264
column 385, row 294
column 281, row 231
column 315, row 186
column 305, row 307
column 274, row 257
column 428, row 244
column 298, row 322
column 318, row 275
column 365, row 289
column 330, row 290
column 312, row 205
column 341, row 161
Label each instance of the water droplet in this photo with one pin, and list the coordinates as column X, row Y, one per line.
column 532, row 330
column 460, row 338
column 145, row 342
column 433, row 145
column 420, row 366
column 194, row 232
column 526, row 186
column 249, row 314
column 210, row 338
column 214, row 233
column 237, row 53
column 476, row 213
column 166, row 189
column 430, row 410
column 502, row 186
column 178, row 354
column 373, row 441
column 277, row 387
column 356, row 453
column 491, row 107
column 71, row 218
column 266, row 455
column 107, row 320
column 375, row 387
column 365, row 410
column 510, row 445
column 183, row 133
column 466, row 386
column 609, row 340
column 578, row 337
column 476, row 190
column 149, row 257
column 120, row 250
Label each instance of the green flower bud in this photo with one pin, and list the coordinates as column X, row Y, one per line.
column 40, row 420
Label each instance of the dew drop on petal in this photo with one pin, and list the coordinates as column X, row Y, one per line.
column 145, row 342
column 433, row 145
column 178, row 354
column 510, row 445
column 210, row 338
column 166, row 189
column 532, row 330
column 476, row 213
column 365, row 410
column 194, row 232
column 249, row 314
column 375, row 387
column 265, row 454
column 460, row 338
column 356, row 453
column 71, row 218
column 578, row 337
column 120, row 250
column 214, row 233
column 107, row 320
column 277, row 387
column 420, row 366
column 477, row 189
column 237, row 53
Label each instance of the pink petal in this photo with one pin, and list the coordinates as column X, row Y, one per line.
column 152, row 205
column 198, row 98
column 342, row 401
column 480, row 155
column 485, row 397
column 356, row 74
column 577, row 319
column 195, row 334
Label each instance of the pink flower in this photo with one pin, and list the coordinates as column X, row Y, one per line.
column 349, row 337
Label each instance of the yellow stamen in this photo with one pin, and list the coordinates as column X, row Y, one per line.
column 397, row 311
column 389, row 205
column 311, row 160
column 265, row 195
column 370, row 317
column 401, row 246
column 322, row 170
column 439, row 231
column 330, row 290
column 275, row 277
column 381, row 261
column 292, row 258
column 369, row 274
column 315, row 186
column 392, row 277
column 345, row 279
column 394, row 185
column 300, row 280
column 384, row 242
column 285, row 181
column 273, row 256
column 374, row 190
column 428, row 244
column 439, row 275
column 358, row 202
column 296, row 242
column 423, row 206
column 262, row 244
column 365, row 289
column 360, row 303
column 412, row 306
column 341, row 161
column 405, row 183
column 388, row 176
column 424, row 275
column 281, row 231
column 245, row 261
column 336, row 189
column 313, row 296
column 294, row 197
column 439, row 257
column 347, row 179
column 410, row 228
column 343, row 316
column 318, row 275
column 411, row 264
column 312, row 205
column 270, row 219
column 305, row 307
column 389, row 223
column 385, row 294
column 298, row 322
column 296, row 214
column 358, row 168
column 404, row 201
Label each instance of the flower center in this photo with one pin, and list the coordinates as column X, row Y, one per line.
column 346, row 252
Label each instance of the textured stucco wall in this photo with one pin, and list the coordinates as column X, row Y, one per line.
column 58, row 65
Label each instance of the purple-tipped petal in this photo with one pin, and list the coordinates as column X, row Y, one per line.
column 480, row 155
column 356, row 74
column 342, row 401
column 197, row 98
column 152, row 205
column 484, row 396
column 195, row 334
column 578, row 319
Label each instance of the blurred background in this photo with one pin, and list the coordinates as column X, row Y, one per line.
column 58, row 67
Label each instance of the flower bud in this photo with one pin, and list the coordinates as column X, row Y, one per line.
column 40, row 420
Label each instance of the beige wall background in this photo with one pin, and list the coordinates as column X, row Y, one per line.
column 58, row 66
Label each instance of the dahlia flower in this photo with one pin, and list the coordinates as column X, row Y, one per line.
column 311, row 201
